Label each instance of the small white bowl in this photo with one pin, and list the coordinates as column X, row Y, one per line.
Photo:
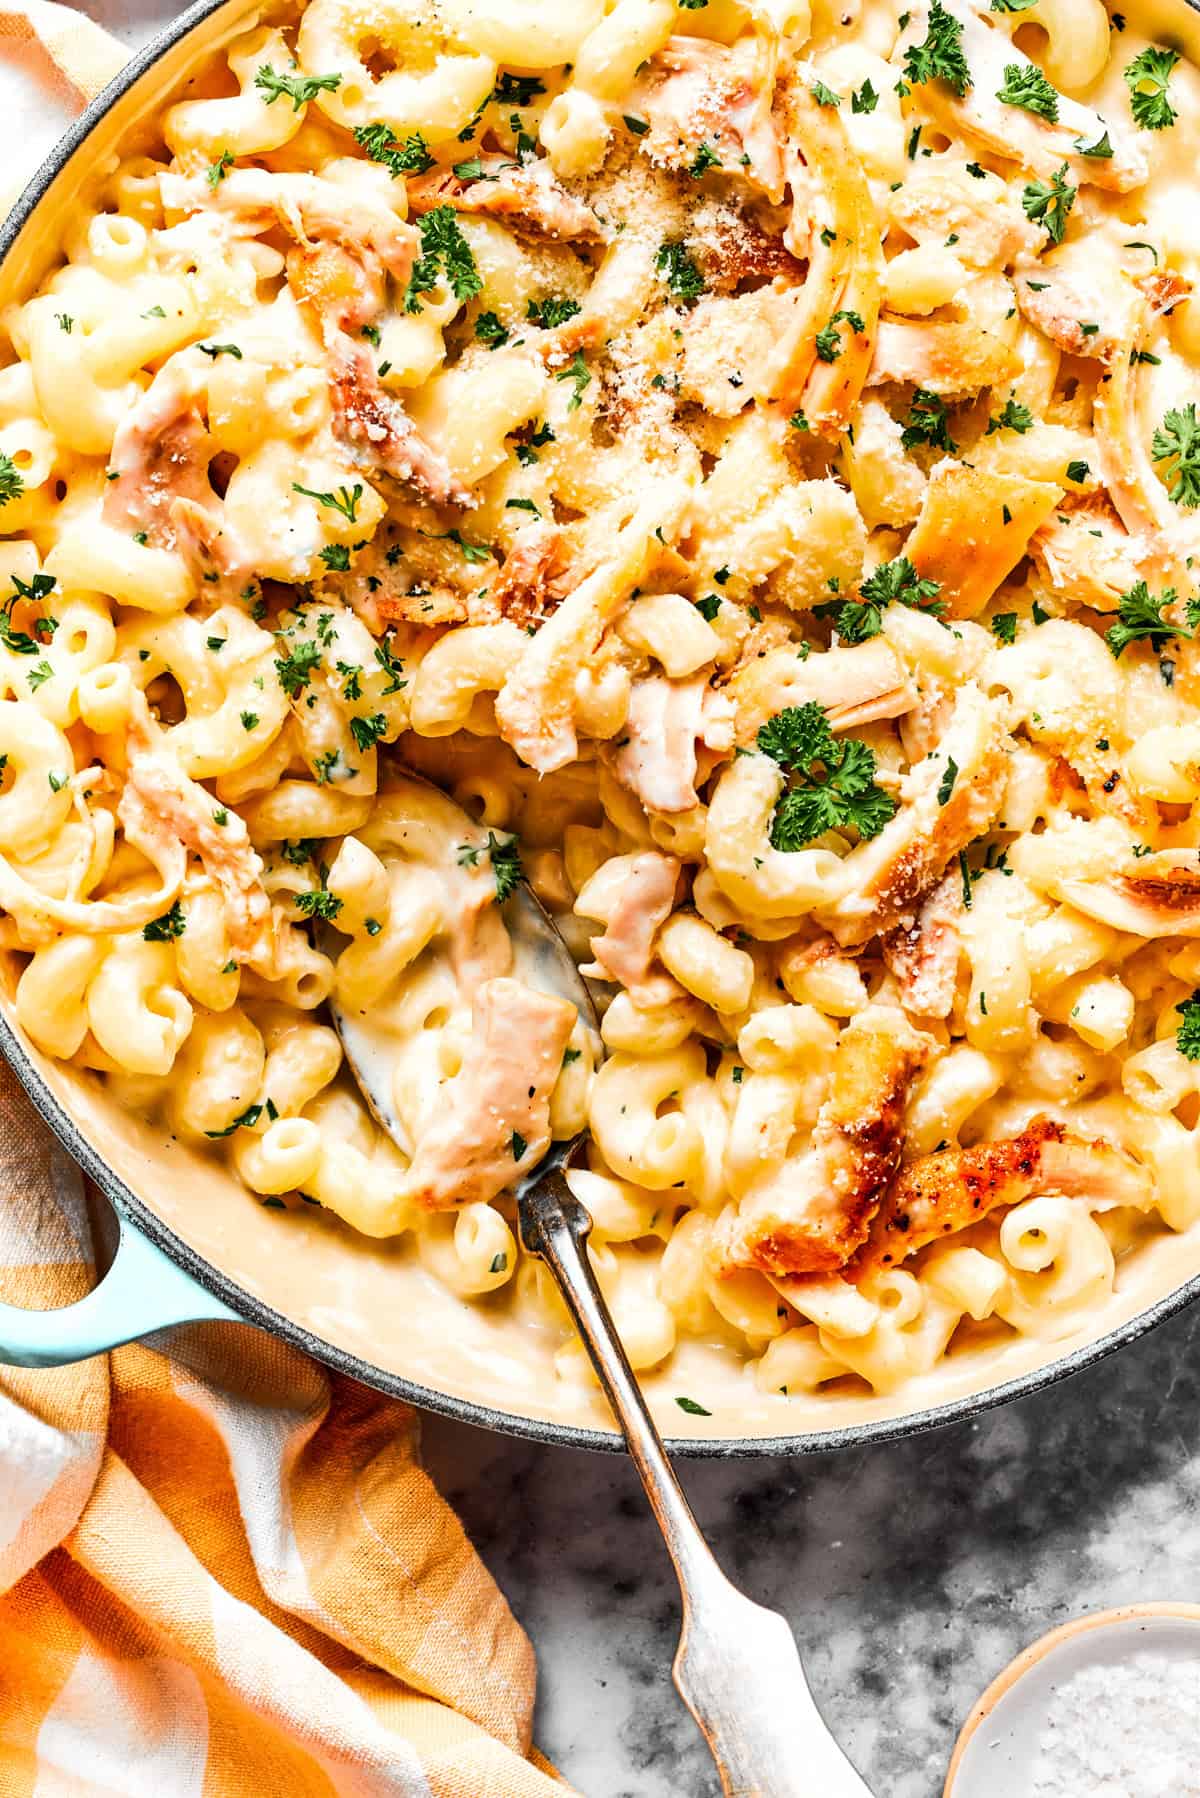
column 996, row 1753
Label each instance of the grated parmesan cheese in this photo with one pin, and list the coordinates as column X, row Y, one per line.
column 1130, row 1731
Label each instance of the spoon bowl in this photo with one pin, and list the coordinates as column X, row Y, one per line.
column 737, row 1667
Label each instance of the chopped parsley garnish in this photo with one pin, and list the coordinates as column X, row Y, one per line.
column 828, row 340
column 1049, row 203
column 1100, row 151
column 64, row 321
column 893, row 583
column 1140, row 619
column 220, row 349
column 522, row 90
column 11, row 484
column 1011, row 5
column 1177, row 444
column 946, row 785
column 1146, row 77
column 709, row 606
column 295, row 670
column 940, row 57
column 473, row 552
column 505, row 856
column 682, row 277
column 352, row 676
column 367, row 731
column 489, row 330
column 39, row 674
column 444, row 251
column 298, row 88
column 551, row 312
column 705, row 158
column 837, row 779
column 1014, row 417
column 824, row 96
column 345, row 500
column 382, row 145
column 639, row 127
column 518, row 1145
column 393, row 666
column 499, row 1263
column 1187, row 1039
column 172, row 924
column 1026, row 86
column 578, row 372
column 218, row 170
column 927, row 422
column 320, row 903
column 336, row 557
column 249, row 720
column 864, row 99
column 689, row 1404
column 1004, row 627
column 246, row 1121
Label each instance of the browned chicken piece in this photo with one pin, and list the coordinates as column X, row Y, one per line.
column 942, row 356
column 310, row 208
column 498, row 1101
column 813, row 1214
column 525, row 195
column 923, row 955
column 374, row 426
column 890, row 874
column 1081, row 302
column 161, row 451
column 668, row 721
column 735, row 254
column 176, row 809
column 1160, row 896
column 624, row 952
column 535, row 577
column 699, row 93
column 1087, row 555
column 434, row 606
column 344, row 291
column 947, row 1191
column 1164, row 289
column 987, row 232
column 857, row 684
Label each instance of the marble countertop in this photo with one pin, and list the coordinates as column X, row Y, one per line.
column 911, row 1573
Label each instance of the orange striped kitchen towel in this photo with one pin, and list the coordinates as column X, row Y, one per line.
column 223, row 1573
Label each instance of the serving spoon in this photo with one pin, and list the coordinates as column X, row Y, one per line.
column 737, row 1667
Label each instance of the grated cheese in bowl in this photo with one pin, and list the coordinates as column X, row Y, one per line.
column 1127, row 1731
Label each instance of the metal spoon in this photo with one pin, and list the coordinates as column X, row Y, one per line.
column 737, row 1667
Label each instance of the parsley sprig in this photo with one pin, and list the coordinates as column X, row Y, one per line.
column 444, row 251
column 1049, row 203
column 927, row 422
column 299, row 89
column 345, row 500
column 893, row 583
column 941, row 56
column 1146, row 77
column 1177, row 445
column 1026, row 86
column 383, row 146
column 835, row 778
column 684, row 280
column 11, row 484
column 1187, row 1038
column 1140, row 619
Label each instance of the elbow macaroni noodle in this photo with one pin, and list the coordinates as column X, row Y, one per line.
column 748, row 462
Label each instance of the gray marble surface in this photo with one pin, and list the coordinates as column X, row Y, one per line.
column 911, row 1573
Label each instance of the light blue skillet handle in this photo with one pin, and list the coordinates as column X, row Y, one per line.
column 142, row 1291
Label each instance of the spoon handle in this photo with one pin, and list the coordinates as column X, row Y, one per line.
column 737, row 1667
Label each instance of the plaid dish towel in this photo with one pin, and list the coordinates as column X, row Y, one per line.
column 222, row 1570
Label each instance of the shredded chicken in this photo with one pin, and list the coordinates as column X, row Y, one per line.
column 626, row 949
column 699, row 93
column 1087, row 555
column 169, row 806
column 535, row 577
column 491, row 1123
column 525, row 195
column 377, row 429
column 986, row 229
column 889, row 875
column 813, row 1212
column 1083, row 302
column 923, row 955
column 667, row 719
column 947, row 1191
